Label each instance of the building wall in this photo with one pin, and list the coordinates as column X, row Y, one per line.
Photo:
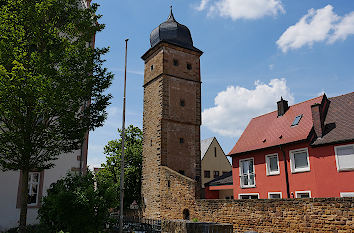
column 323, row 179
column 211, row 163
column 9, row 214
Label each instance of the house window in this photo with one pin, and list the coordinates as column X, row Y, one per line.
column 272, row 164
column 248, row 196
column 33, row 188
column 175, row 62
column 303, row 194
column 181, row 140
column 347, row 194
column 189, row 66
column 216, row 174
column 182, row 103
column 207, row 174
column 345, row 157
column 247, row 176
column 299, row 160
column 274, row 195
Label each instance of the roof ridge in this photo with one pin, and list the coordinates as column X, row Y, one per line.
column 289, row 106
column 340, row 95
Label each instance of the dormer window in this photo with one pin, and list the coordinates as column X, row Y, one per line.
column 296, row 120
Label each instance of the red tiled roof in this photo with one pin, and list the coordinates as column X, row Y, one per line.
column 270, row 130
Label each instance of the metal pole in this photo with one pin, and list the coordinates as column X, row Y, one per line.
column 123, row 138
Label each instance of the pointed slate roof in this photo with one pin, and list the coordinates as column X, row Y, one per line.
column 204, row 145
column 172, row 32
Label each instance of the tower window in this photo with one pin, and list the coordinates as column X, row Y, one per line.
column 152, row 67
column 181, row 140
column 175, row 62
column 182, row 103
column 181, row 172
column 168, row 183
column 215, row 151
column 189, row 66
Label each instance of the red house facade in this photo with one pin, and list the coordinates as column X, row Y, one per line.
column 305, row 150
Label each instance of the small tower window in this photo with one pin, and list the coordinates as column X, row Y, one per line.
column 181, row 140
column 181, row 172
column 152, row 67
column 175, row 62
column 189, row 66
column 182, row 102
column 215, row 151
column 168, row 183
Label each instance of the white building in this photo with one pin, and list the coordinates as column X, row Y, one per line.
column 38, row 184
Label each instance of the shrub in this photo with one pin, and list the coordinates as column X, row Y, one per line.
column 74, row 205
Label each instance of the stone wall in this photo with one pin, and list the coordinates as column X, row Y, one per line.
column 285, row 215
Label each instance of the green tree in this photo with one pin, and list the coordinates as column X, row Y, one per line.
column 74, row 205
column 109, row 177
column 52, row 83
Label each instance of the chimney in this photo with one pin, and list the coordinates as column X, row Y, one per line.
column 282, row 106
column 319, row 111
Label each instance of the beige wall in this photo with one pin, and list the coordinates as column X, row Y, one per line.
column 226, row 193
column 211, row 163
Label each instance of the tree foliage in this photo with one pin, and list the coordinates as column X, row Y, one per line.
column 109, row 177
column 74, row 205
column 52, row 82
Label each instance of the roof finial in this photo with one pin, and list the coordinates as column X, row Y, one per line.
column 171, row 17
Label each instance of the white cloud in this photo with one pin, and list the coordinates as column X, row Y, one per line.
column 316, row 26
column 235, row 106
column 242, row 9
column 343, row 28
column 202, row 5
column 271, row 66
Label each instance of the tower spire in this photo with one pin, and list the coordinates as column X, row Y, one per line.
column 171, row 17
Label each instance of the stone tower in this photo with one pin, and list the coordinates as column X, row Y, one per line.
column 172, row 119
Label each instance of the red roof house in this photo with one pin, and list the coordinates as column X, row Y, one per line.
column 303, row 150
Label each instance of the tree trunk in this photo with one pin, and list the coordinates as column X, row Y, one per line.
column 24, row 200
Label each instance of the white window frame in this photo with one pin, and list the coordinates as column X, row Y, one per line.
column 254, row 173
column 292, row 161
column 268, row 172
column 269, row 193
column 342, row 194
column 30, row 183
column 247, row 194
column 337, row 162
column 299, row 192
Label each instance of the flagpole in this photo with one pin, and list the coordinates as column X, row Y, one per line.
column 123, row 138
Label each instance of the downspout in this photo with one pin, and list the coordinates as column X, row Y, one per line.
column 286, row 172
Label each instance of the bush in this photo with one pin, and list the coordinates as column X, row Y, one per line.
column 30, row 229
column 73, row 205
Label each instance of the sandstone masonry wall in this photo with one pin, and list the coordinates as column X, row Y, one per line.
column 286, row 215
column 335, row 215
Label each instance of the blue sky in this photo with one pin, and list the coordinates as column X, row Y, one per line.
column 254, row 52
